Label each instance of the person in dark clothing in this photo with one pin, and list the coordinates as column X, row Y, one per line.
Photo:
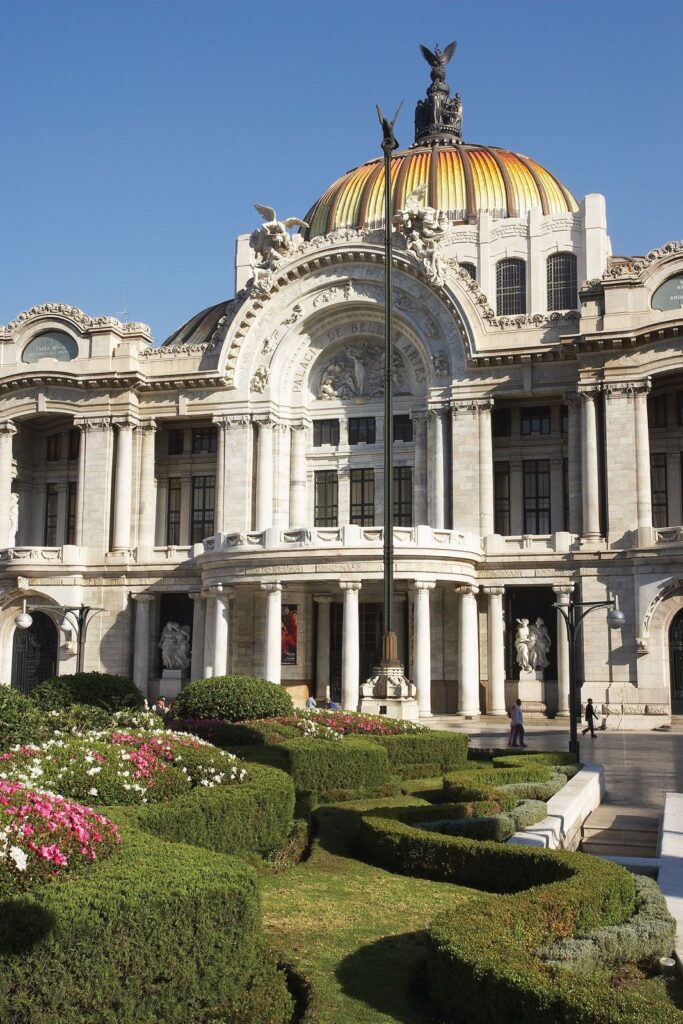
column 590, row 718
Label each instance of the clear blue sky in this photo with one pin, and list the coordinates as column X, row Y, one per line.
column 138, row 133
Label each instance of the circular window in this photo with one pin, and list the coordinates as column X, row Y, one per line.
column 670, row 294
column 51, row 345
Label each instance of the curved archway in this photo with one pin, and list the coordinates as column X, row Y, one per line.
column 676, row 663
column 34, row 653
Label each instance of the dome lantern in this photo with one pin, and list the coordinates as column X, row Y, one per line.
column 438, row 117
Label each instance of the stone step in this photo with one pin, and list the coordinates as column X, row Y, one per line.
column 621, row 831
column 607, row 849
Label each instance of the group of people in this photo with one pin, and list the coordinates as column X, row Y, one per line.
column 516, row 716
column 329, row 705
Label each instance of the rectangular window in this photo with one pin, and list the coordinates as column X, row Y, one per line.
column 173, row 511
column 501, row 497
column 501, row 422
column 203, row 504
column 536, row 420
column 325, row 432
column 50, row 531
column 71, row 498
column 536, row 496
column 403, row 496
column 656, row 410
column 204, row 440
column 660, row 497
column 363, row 497
column 176, row 441
column 54, row 447
column 564, row 419
column 74, row 444
column 403, row 428
column 362, row 430
column 326, row 498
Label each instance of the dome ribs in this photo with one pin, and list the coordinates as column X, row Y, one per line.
column 470, row 198
column 542, row 194
column 510, row 197
column 371, row 186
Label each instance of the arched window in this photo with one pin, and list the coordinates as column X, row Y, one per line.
column 510, row 287
column 471, row 270
column 562, row 281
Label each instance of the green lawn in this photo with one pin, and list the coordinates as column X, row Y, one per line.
column 354, row 931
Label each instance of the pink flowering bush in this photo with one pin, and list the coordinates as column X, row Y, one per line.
column 42, row 837
column 121, row 767
column 352, row 723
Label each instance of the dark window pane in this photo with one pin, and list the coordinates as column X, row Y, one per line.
column 403, row 428
column 74, row 444
column 536, row 420
column 536, row 496
column 173, row 511
column 50, row 530
column 501, row 491
column 203, row 440
column 403, row 496
column 510, row 287
column 71, row 498
column 656, row 410
column 564, row 419
column 362, row 430
column 501, row 420
column 363, row 497
column 54, row 448
column 326, row 498
column 561, row 276
column 203, row 497
column 660, row 501
column 176, row 441
column 325, row 432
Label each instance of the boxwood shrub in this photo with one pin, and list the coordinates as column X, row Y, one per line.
column 323, row 766
column 252, row 817
column 232, row 698
column 160, row 933
column 448, row 750
column 97, row 688
column 483, row 784
column 235, row 734
column 20, row 719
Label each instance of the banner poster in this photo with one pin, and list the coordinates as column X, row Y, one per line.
column 289, row 632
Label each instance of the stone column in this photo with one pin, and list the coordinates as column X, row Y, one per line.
column 7, row 432
column 422, row 659
column 198, row 626
column 563, row 653
column 421, row 475
column 222, row 473
column 643, row 482
column 485, row 469
column 264, row 475
column 272, row 660
column 496, row 651
column 466, row 472
column 209, row 619
column 350, row 646
column 322, row 657
column 297, row 477
column 94, row 487
column 574, row 463
column 122, row 487
column 148, row 497
column 220, row 631
column 589, row 474
column 468, row 653
column 437, row 485
column 141, row 642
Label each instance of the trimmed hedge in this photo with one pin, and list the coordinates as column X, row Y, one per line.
column 159, row 933
column 480, row 784
column 235, row 734
column 20, row 720
column 323, row 766
column 448, row 750
column 253, row 816
column 95, row 688
column 233, row 699
column 550, row 757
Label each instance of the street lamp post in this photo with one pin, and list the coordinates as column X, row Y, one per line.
column 77, row 616
column 573, row 614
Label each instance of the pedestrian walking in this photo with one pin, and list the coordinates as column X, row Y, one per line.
column 517, row 725
column 591, row 716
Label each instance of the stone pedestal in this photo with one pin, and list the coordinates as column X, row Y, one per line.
column 171, row 683
column 530, row 690
column 389, row 692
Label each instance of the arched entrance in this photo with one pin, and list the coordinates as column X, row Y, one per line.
column 676, row 663
column 34, row 653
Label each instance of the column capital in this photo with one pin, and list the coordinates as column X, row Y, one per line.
column 350, row 585
column 627, row 388
column 436, row 412
column 125, row 422
column 588, row 392
column 197, row 595
column 7, row 427
column 473, row 405
column 148, row 426
column 264, row 421
column 96, row 423
column 295, row 427
column 494, row 591
column 271, row 588
column 323, row 598
column 563, row 591
column 465, row 589
column 221, row 593
column 419, row 585
column 420, row 416
column 143, row 598
column 221, row 421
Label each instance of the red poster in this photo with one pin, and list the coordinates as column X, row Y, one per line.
column 289, row 632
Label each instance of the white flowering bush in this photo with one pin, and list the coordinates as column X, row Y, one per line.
column 121, row 767
column 43, row 836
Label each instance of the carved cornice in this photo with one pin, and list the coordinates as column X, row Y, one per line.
column 95, row 423
column 634, row 268
column 626, row 388
column 478, row 405
column 61, row 310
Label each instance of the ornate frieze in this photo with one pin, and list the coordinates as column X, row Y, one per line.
column 358, row 372
column 77, row 316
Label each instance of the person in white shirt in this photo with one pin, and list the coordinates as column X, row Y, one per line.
column 518, row 724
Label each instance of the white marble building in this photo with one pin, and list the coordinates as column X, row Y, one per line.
column 230, row 479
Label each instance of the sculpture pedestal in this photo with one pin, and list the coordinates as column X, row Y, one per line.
column 530, row 691
column 171, row 682
column 389, row 692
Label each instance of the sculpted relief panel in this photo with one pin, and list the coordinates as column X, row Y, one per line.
column 357, row 371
